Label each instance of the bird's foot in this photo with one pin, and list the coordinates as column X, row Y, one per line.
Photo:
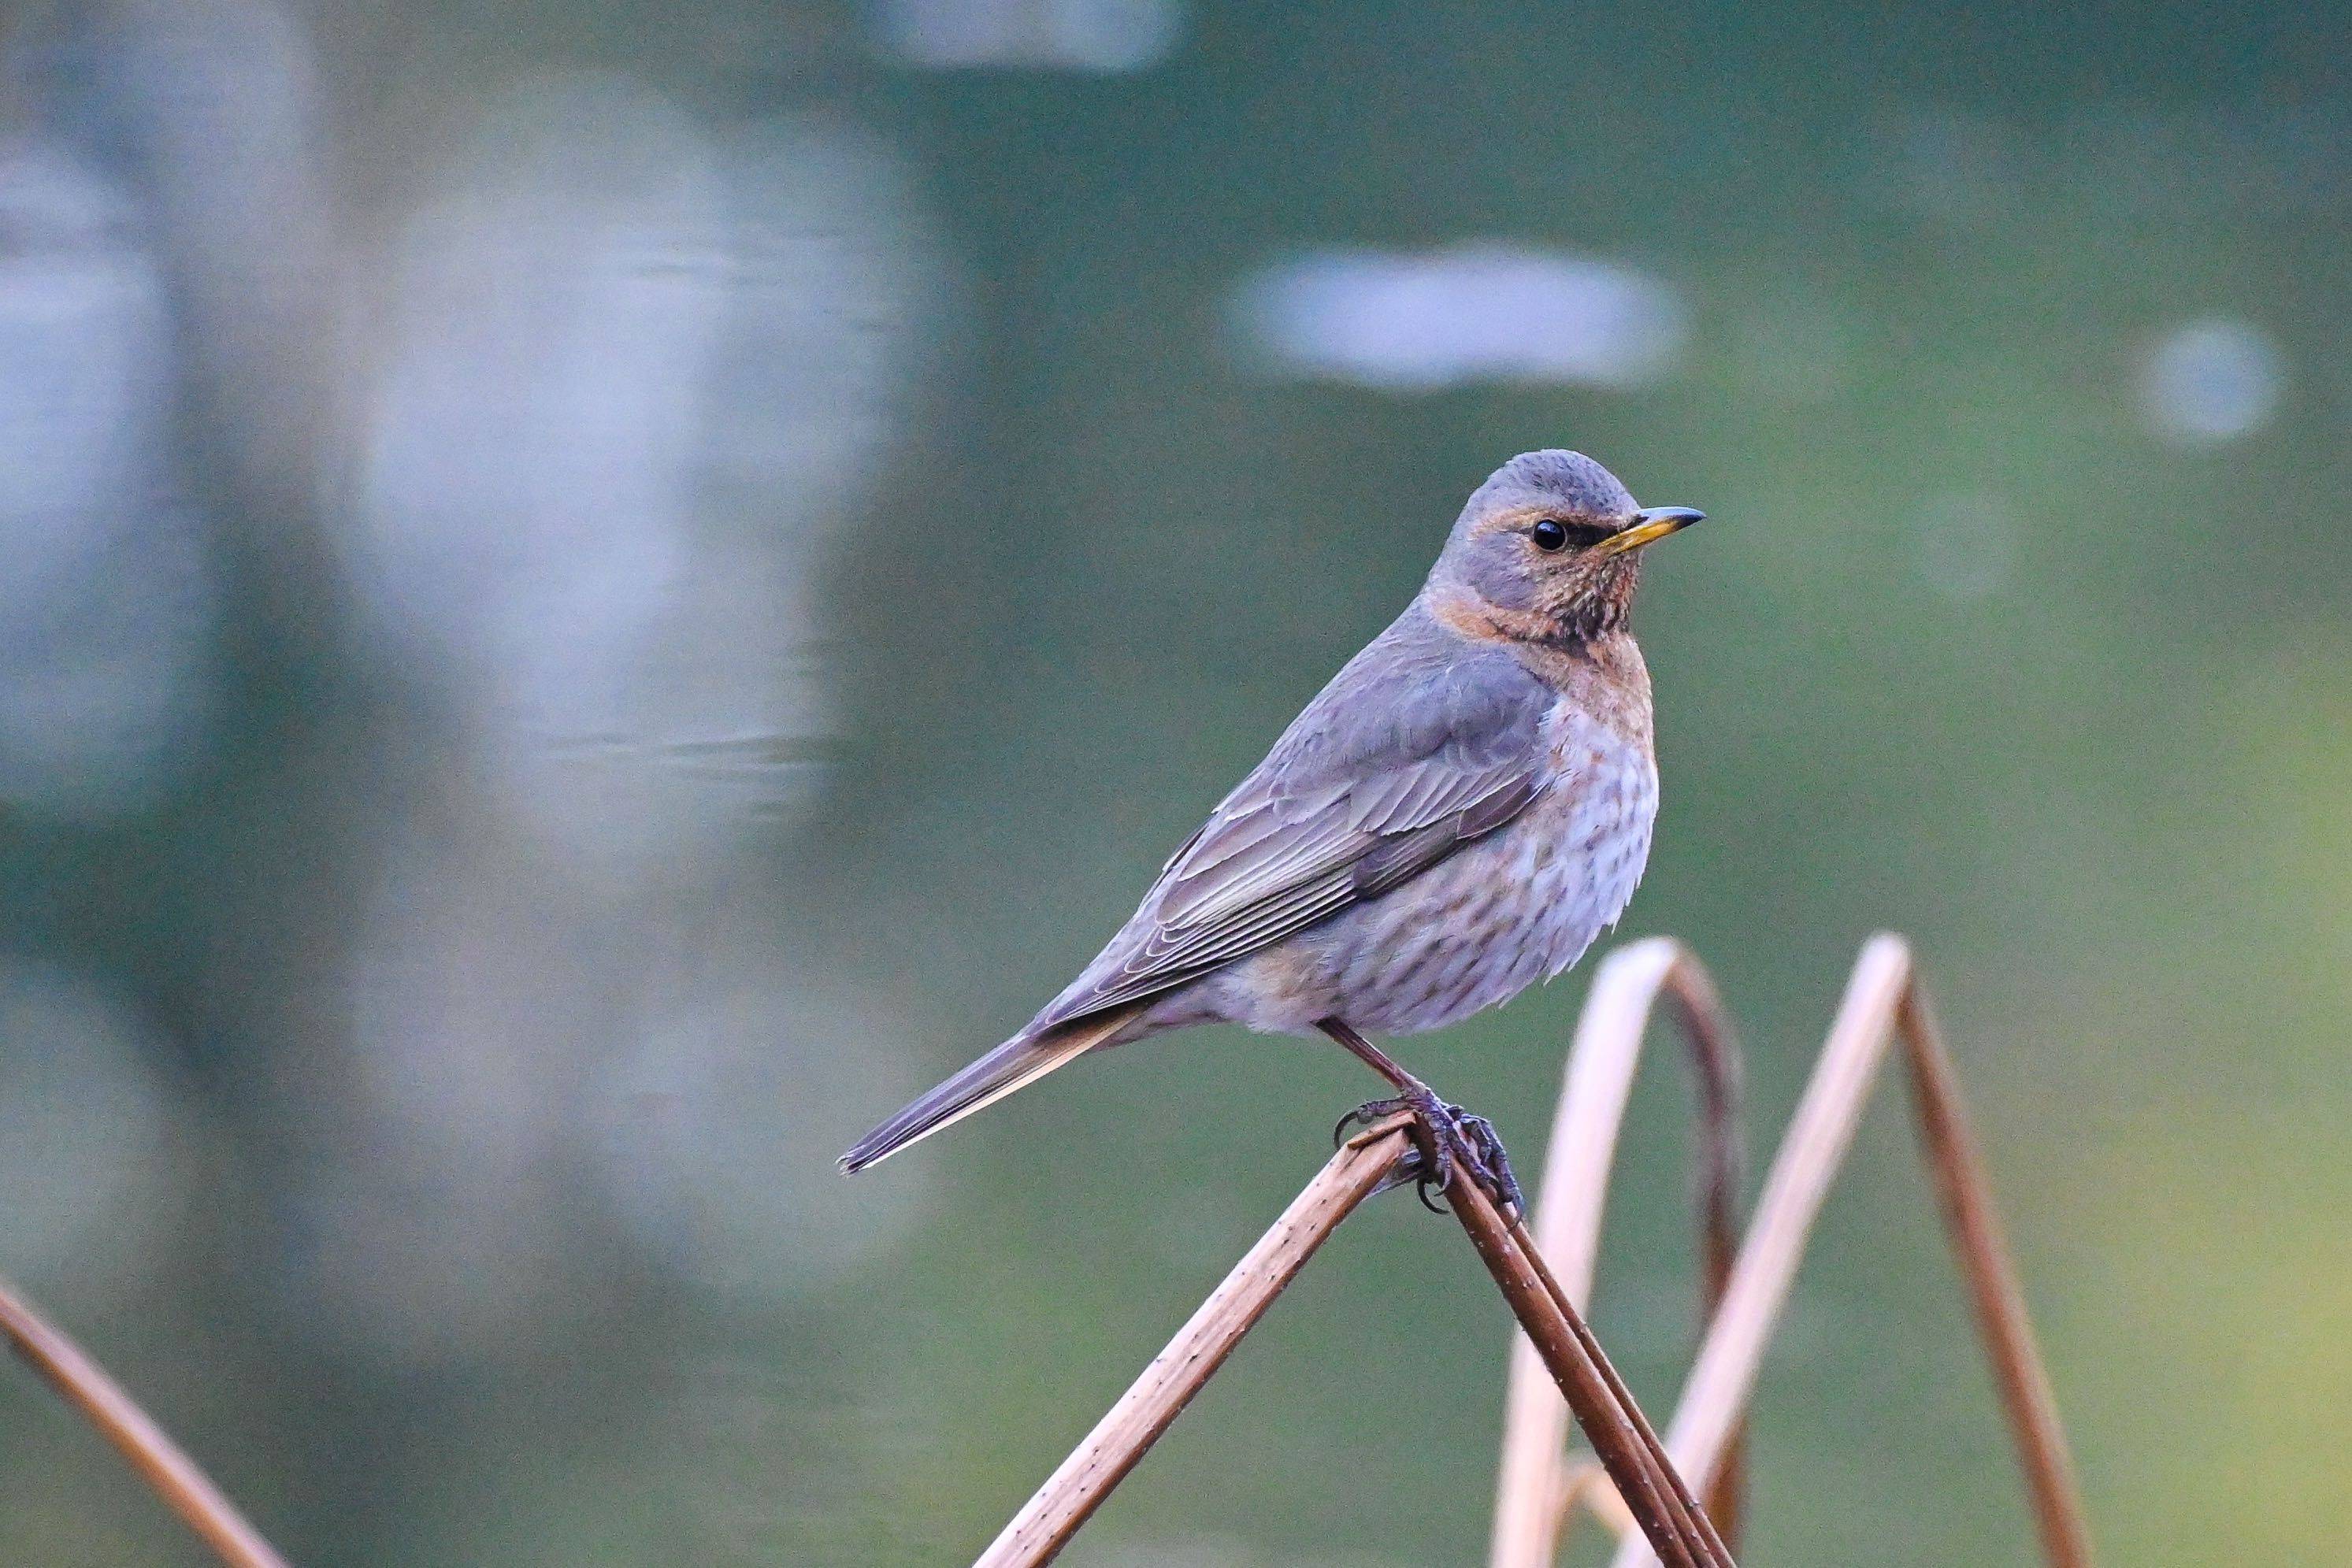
column 1447, row 1141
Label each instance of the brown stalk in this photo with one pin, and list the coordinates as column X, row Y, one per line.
column 1964, row 1191
column 1070, row 1495
column 1620, row 1437
column 1882, row 1001
column 1670, row 1517
column 1536, row 1486
column 184, row 1488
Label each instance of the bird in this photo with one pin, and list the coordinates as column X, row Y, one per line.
column 1459, row 813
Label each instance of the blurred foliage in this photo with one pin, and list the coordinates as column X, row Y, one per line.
column 600, row 591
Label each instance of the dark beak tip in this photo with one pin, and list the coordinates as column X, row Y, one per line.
column 1685, row 516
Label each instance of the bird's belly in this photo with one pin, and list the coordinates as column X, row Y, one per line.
column 1516, row 906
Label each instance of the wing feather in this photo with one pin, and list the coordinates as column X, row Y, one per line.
column 1339, row 813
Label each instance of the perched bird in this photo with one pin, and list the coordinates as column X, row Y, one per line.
column 1455, row 816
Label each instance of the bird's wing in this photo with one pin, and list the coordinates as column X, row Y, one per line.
column 1399, row 762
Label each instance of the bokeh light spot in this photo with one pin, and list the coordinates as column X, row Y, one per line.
column 2213, row 382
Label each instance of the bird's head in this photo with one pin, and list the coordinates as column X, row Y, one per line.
column 1547, row 549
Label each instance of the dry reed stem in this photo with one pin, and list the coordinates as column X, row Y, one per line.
column 1621, row 1438
column 1070, row 1495
column 1534, row 1494
column 1882, row 1002
column 1588, row 1485
column 1670, row 1518
column 1708, row 1542
column 184, row 1488
column 1965, row 1192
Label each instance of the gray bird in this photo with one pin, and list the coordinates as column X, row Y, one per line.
column 1455, row 816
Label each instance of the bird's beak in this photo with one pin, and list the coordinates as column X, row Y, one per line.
column 1651, row 524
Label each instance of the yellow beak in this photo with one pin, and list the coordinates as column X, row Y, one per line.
column 1651, row 524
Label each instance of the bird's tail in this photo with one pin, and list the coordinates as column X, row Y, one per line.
column 1018, row 1063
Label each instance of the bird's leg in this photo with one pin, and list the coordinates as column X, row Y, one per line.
column 1445, row 1137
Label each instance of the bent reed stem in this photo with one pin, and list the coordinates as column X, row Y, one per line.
column 1374, row 1159
column 183, row 1486
column 1884, row 1003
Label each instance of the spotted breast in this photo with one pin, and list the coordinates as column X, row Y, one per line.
column 1511, row 909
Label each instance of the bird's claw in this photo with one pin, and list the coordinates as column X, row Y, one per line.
column 1362, row 1117
column 1447, row 1140
column 1488, row 1163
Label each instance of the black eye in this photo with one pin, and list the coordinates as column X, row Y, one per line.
column 1548, row 534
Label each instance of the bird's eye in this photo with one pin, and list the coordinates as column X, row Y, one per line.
column 1548, row 534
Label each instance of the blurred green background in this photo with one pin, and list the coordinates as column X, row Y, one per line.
column 595, row 593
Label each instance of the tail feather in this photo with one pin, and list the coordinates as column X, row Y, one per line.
column 1018, row 1063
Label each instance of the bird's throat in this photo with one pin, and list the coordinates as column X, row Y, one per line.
column 1569, row 626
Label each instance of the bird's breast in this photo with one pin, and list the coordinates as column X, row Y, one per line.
column 1509, row 909
column 1587, row 840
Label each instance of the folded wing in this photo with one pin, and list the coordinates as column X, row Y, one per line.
column 1402, row 759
